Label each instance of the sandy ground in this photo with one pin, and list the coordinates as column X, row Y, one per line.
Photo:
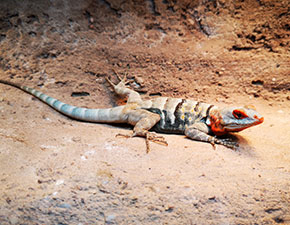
column 55, row 170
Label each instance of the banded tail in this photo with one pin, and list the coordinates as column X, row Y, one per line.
column 109, row 115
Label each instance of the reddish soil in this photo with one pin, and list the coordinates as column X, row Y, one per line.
column 55, row 170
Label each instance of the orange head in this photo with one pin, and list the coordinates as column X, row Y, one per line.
column 233, row 119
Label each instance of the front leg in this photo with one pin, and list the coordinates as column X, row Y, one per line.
column 200, row 132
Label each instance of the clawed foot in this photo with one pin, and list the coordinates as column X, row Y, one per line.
column 123, row 81
column 154, row 138
column 227, row 142
column 123, row 135
column 149, row 137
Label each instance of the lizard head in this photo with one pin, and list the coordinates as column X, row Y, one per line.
column 234, row 119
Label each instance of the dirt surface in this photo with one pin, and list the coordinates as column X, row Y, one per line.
column 55, row 170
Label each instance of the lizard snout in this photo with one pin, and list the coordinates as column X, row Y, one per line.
column 260, row 119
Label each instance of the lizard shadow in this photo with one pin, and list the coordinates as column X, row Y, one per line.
column 244, row 147
column 123, row 127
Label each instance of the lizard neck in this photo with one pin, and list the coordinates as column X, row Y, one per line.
column 215, row 121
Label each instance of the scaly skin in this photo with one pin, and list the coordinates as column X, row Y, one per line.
column 198, row 121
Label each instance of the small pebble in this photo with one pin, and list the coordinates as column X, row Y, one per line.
column 76, row 139
column 14, row 219
column 110, row 218
column 64, row 205
column 59, row 182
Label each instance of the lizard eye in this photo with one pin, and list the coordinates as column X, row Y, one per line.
column 239, row 114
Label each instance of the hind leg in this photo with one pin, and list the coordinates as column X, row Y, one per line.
column 121, row 89
column 143, row 121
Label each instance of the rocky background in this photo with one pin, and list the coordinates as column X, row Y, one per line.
column 54, row 170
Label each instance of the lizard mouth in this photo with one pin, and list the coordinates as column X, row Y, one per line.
column 235, row 127
column 261, row 120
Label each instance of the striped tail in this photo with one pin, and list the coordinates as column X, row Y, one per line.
column 109, row 115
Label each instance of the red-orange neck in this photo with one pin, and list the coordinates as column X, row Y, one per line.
column 216, row 126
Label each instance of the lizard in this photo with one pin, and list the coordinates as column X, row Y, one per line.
column 196, row 120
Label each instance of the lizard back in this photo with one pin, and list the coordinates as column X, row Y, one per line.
column 177, row 114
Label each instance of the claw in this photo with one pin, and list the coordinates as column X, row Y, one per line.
column 158, row 139
column 149, row 137
column 123, row 135
column 110, row 82
column 154, row 138
column 122, row 80
column 213, row 145
column 227, row 142
column 147, row 145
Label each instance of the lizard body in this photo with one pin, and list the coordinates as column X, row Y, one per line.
column 197, row 120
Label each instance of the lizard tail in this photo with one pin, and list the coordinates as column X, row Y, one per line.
column 109, row 115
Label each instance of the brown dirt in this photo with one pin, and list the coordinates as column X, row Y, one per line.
column 55, row 170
